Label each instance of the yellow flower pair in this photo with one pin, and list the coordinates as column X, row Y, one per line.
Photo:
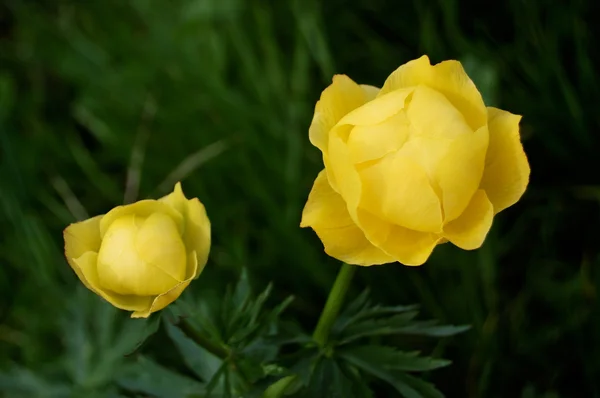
column 418, row 162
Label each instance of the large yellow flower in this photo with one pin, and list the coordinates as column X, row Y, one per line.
column 140, row 257
column 418, row 162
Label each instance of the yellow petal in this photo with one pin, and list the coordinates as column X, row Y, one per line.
column 197, row 233
column 197, row 225
column 141, row 256
column 404, row 245
column 470, row 229
column 86, row 268
column 460, row 171
column 341, row 97
column 378, row 110
column 326, row 213
column 397, row 189
column 433, row 116
column 506, row 173
column 449, row 78
column 449, row 151
column 142, row 209
column 373, row 142
column 176, row 199
column 82, row 237
column 370, row 92
column 162, row 300
column 341, row 169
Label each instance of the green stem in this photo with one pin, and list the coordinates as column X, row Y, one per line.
column 333, row 304
column 216, row 349
column 326, row 320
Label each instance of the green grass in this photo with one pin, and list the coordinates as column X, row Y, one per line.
column 103, row 102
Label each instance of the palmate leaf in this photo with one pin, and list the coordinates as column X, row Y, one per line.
column 148, row 377
column 369, row 362
column 245, row 329
column 330, row 377
column 198, row 360
column 328, row 380
column 362, row 319
column 391, row 358
column 398, row 324
column 361, row 308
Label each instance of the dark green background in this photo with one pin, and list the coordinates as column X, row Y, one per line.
column 96, row 95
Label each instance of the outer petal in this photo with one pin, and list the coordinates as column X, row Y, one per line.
column 404, row 245
column 197, row 225
column 460, row 171
column 506, row 173
column 86, row 268
column 326, row 213
column 341, row 97
column 162, row 300
column 447, row 77
column 341, row 170
column 197, row 234
column 176, row 200
column 143, row 208
column 82, row 237
column 470, row 229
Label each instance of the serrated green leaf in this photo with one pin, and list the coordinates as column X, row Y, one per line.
column 370, row 313
column 328, row 380
column 304, row 366
column 242, row 291
column 279, row 388
column 150, row 326
column 217, row 382
column 391, row 358
column 23, row 383
column 377, row 327
column 360, row 386
column 357, row 305
column 148, row 377
column 198, row 360
column 404, row 385
column 425, row 389
column 434, row 331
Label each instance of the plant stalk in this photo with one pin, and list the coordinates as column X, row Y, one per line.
column 333, row 304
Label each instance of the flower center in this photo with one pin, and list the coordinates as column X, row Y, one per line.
column 142, row 256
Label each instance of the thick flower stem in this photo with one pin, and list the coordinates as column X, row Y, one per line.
column 216, row 349
column 333, row 304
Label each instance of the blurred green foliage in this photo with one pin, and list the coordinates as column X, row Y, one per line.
column 106, row 101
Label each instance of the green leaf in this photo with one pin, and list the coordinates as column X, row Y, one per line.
column 408, row 386
column 328, row 380
column 204, row 364
column 377, row 327
column 148, row 377
column 23, row 383
column 393, row 359
column 280, row 387
column 423, row 329
column 425, row 389
column 150, row 327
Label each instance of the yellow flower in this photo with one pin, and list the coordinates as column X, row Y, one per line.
column 416, row 163
column 140, row 257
